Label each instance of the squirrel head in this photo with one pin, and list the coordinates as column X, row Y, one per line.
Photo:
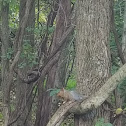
column 61, row 93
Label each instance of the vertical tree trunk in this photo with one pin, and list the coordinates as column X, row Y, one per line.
column 124, row 33
column 57, row 75
column 62, row 22
column 5, row 61
column 92, row 52
column 124, row 51
column 22, row 89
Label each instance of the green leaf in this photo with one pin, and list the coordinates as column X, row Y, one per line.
column 71, row 84
column 118, row 111
column 101, row 122
column 107, row 124
column 1, row 116
column 53, row 92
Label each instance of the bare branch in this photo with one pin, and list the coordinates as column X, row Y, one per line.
column 20, row 33
column 60, row 114
column 51, row 59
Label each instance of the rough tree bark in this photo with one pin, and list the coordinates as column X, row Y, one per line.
column 62, row 22
column 60, row 69
column 92, row 52
column 42, row 54
column 124, row 50
column 94, row 101
column 4, row 60
column 124, row 34
column 22, row 89
column 18, row 39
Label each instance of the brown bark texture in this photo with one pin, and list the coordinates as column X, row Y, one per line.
column 18, row 41
column 92, row 52
column 94, row 101
column 4, row 60
column 62, row 23
column 22, row 89
column 124, row 53
column 124, row 34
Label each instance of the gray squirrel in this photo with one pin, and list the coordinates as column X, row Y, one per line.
column 72, row 95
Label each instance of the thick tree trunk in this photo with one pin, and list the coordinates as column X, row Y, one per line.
column 4, row 60
column 94, row 101
column 92, row 52
column 124, row 52
column 23, row 90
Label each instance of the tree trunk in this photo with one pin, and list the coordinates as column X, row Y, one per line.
column 124, row 33
column 22, row 89
column 5, row 60
column 92, row 52
column 58, row 73
column 124, row 51
column 62, row 22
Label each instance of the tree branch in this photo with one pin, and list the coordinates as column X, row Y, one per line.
column 20, row 33
column 50, row 60
column 93, row 101
column 60, row 114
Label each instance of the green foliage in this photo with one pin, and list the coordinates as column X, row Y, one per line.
column 14, row 15
column 53, row 91
column 28, row 55
column 42, row 17
column 122, row 88
column 73, row 1
column 29, row 29
column 118, row 111
column 51, row 29
column 37, row 31
column 118, row 11
column 12, row 2
column 124, row 109
column 12, row 107
column 22, row 65
column 71, row 84
column 1, row 116
column 101, row 122
column 35, row 88
column 44, row 84
column 43, row 29
column 6, row 2
column 9, row 54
